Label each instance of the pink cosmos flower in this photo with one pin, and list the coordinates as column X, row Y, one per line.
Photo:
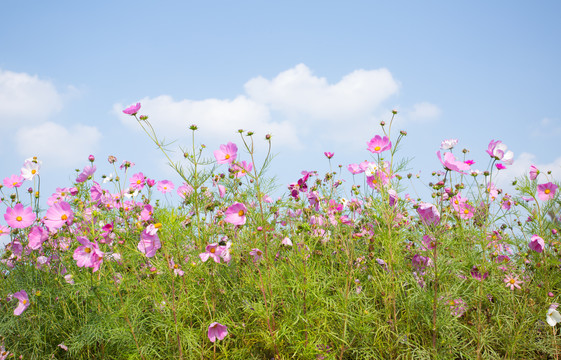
column 534, row 172
column 58, row 215
column 185, row 190
column 138, row 181
column 175, row 267
column 450, row 163
column 37, row 236
column 88, row 255
column 428, row 213
column 23, row 302
column 500, row 166
column 536, row 243
column 213, row 251
column 512, row 281
column 4, row 230
column 457, row 202
column 221, row 190
column 30, row 168
column 355, row 169
column 132, row 110
column 257, row 254
column 506, row 202
column 241, row 169
column 329, row 155
column 18, row 217
column 165, row 186
column 378, row 144
column 217, row 331
column 498, row 150
column 149, row 241
column 286, row 242
column 13, row 181
column 466, row 211
column 235, row 214
column 226, row 154
column 86, row 173
column 547, row 191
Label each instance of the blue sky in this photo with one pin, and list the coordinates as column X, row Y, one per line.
column 318, row 75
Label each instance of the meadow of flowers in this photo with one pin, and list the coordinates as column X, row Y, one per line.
column 329, row 270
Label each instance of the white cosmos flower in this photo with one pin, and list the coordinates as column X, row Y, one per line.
column 553, row 317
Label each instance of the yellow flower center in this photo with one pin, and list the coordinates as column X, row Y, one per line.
column 227, row 156
column 15, row 183
column 64, row 217
column 512, row 281
column 87, row 250
column 138, row 182
column 547, row 191
column 33, row 171
column 212, row 251
column 377, row 148
column 241, row 213
column 466, row 211
column 19, row 218
column 24, row 302
column 158, row 225
column 175, row 266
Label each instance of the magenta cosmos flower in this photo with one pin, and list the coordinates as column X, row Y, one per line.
column 138, row 181
column 58, row 215
column 235, row 214
column 546, row 191
column 217, row 331
column 428, row 213
column 536, row 243
column 379, row 144
column 88, row 255
column 534, row 172
column 450, row 163
column 257, row 254
column 328, row 154
column 226, row 154
column 149, row 241
column 23, row 302
column 132, row 110
column 18, row 217
column 86, row 174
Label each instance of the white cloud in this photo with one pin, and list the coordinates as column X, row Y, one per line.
column 423, row 112
column 59, row 145
column 296, row 106
column 298, row 92
column 26, row 99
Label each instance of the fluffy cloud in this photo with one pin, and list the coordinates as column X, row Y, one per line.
column 296, row 106
column 423, row 112
column 547, row 128
column 26, row 99
column 62, row 147
column 298, row 92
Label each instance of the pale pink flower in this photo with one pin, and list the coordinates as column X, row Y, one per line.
column 547, row 191
column 86, row 174
column 428, row 213
column 226, row 154
column 534, row 172
column 13, row 181
column 185, row 190
column 466, row 211
column 236, row 214
column 58, row 215
column 536, row 243
column 132, row 110
column 4, row 230
column 450, row 163
column 23, row 302
column 221, row 190
column 457, row 202
column 213, row 251
column 37, row 236
column 355, row 169
column 138, row 181
column 257, row 254
column 512, row 281
column 217, row 331
column 88, row 255
column 241, row 169
column 149, row 241
column 18, row 217
column 286, row 242
column 165, row 186
column 498, row 150
column 378, row 144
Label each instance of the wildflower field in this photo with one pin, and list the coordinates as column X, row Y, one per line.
column 329, row 270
